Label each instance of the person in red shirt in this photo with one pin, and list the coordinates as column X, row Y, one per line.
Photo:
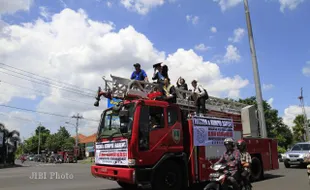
column 155, row 94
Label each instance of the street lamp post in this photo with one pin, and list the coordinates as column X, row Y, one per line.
column 259, row 98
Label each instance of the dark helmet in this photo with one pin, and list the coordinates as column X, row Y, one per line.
column 229, row 143
column 241, row 145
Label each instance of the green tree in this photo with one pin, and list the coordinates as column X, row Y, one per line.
column 298, row 128
column 52, row 143
column 31, row 144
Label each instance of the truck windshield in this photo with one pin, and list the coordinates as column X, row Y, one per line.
column 110, row 122
column 301, row 147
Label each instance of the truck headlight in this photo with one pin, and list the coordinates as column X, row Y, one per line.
column 131, row 162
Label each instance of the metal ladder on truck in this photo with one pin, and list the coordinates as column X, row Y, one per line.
column 123, row 88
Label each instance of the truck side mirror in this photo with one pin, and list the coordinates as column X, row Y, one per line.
column 124, row 116
column 123, row 128
column 124, row 120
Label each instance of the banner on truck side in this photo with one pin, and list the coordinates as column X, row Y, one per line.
column 212, row 131
column 112, row 153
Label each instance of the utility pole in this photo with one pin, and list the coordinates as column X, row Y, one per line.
column 39, row 138
column 306, row 125
column 77, row 117
column 259, row 98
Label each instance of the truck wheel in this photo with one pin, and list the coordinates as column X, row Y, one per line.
column 211, row 186
column 257, row 172
column 127, row 185
column 168, row 176
column 287, row 165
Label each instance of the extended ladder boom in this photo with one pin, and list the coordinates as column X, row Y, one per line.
column 123, row 88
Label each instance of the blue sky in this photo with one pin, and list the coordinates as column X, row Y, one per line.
column 280, row 29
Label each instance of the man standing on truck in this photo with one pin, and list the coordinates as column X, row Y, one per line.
column 201, row 97
column 232, row 158
column 246, row 161
column 139, row 74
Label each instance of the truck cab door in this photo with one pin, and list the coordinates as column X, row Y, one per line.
column 153, row 141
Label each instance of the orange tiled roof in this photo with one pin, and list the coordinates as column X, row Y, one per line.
column 91, row 138
column 81, row 136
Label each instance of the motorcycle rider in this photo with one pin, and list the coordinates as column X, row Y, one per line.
column 246, row 161
column 232, row 158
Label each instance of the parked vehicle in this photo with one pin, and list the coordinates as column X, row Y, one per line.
column 297, row 154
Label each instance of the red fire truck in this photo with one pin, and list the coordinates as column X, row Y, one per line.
column 144, row 142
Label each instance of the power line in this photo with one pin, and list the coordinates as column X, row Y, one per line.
column 45, row 82
column 38, row 82
column 77, row 87
column 41, row 92
column 41, row 112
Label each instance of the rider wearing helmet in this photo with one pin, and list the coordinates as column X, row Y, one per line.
column 232, row 158
column 245, row 161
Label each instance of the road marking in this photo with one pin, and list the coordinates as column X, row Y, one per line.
column 50, row 164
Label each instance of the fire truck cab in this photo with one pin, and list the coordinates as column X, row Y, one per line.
column 144, row 142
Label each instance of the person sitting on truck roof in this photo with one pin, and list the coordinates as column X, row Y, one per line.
column 246, row 161
column 181, row 84
column 161, row 74
column 155, row 94
column 139, row 74
column 169, row 91
column 200, row 95
column 232, row 158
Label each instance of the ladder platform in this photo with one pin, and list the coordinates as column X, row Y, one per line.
column 124, row 88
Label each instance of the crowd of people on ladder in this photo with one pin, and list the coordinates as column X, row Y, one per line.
column 167, row 91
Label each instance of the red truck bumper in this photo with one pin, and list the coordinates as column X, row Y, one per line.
column 113, row 173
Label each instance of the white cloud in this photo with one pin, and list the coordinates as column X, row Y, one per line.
column 141, row 6
column 289, row 4
column 291, row 112
column 202, row 47
column 213, row 29
column 63, row 3
column 15, row 120
column 12, row 6
column 268, row 86
column 193, row 19
column 44, row 12
column 82, row 58
column 232, row 54
column 109, row 4
column 238, row 35
column 227, row 4
column 306, row 69
column 270, row 101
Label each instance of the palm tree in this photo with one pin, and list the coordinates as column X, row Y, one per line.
column 298, row 129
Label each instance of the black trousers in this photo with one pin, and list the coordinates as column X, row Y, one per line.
column 245, row 177
column 233, row 180
column 201, row 103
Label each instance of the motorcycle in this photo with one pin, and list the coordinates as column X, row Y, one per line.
column 218, row 179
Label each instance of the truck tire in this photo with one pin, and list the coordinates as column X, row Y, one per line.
column 127, row 186
column 287, row 165
column 211, row 186
column 257, row 171
column 168, row 176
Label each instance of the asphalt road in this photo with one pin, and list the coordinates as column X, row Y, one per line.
column 78, row 177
